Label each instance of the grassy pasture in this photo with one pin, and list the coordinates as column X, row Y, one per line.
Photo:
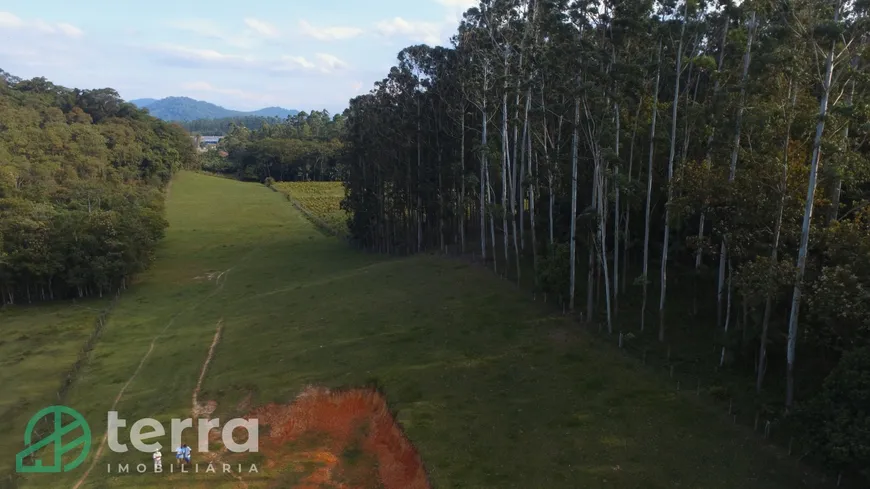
column 494, row 389
column 38, row 345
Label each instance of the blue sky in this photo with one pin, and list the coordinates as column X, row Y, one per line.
column 241, row 55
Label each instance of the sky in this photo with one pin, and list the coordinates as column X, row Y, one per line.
column 304, row 55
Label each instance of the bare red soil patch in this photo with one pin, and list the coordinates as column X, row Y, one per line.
column 339, row 439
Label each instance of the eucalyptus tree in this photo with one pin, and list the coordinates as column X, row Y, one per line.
column 473, row 43
column 670, row 191
column 834, row 43
column 649, row 185
column 717, row 85
column 724, row 259
column 565, row 96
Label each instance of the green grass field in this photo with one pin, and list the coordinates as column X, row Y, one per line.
column 494, row 389
column 37, row 346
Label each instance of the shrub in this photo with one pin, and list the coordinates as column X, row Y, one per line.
column 837, row 420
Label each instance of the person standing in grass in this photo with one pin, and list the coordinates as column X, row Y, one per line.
column 186, row 453
column 158, row 460
column 179, row 454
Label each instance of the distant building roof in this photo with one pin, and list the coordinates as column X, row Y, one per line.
column 211, row 139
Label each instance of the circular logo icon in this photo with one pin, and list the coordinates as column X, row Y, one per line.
column 64, row 436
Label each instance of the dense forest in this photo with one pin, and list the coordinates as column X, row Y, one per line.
column 82, row 175
column 706, row 162
column 302, row 147
column 220, row 127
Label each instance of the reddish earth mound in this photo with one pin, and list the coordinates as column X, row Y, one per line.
column 344, row 439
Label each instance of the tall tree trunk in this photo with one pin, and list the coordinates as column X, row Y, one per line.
column 505, row 166
column 515, row 188
column 723, row 251
column 573, row 242
column 615, row 222
column 837, row 184
column 462, row 208
column 626, row 236
column 526, row 159
column 707, row 163
column 532, row 195
column 808, row 215
column 735, row 150
column 777, row 231
column 547, row 142
column 593, row 265
column 419, row 180
column 550, row 176
column 667, row 235
column 513, row 178
column 649, row 182
column 443, row 245
column 489, row 196
column 483, row 177
column 602, row 241
column 727, row 311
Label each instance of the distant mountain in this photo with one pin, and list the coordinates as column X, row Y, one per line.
column 187, row 109
column 273, row 112
column 143, row 102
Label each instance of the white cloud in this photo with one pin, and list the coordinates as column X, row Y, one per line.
column 455, row 10
column 195, row 56
column 329, row 63
column 200, row 27
column 263, row 28
column 425, row 32
column 208, row 29
column 323, row 63
column 190, row 57
column 205, row 87
column 9, row 20
column 296, row 62
column 335, row 33
column 70, row 30
column 43, row 26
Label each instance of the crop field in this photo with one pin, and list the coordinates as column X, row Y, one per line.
column 323, row 199
column 365, row 371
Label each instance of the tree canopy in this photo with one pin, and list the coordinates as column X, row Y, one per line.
column 302, row 147
column 81, row 180
column 220, row 127
column 713, row 153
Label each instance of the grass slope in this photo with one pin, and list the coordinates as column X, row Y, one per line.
column 494, row 390
column 37, row 347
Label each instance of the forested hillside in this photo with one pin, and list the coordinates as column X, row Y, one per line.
column 188, row 109
column 82, row 175
column 219, row 127
column 302, row 147
column 701, row 159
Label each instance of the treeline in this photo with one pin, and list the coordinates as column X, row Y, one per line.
column 220, row 127
column 303, row 147
column 81, row 189
column 706, row 162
